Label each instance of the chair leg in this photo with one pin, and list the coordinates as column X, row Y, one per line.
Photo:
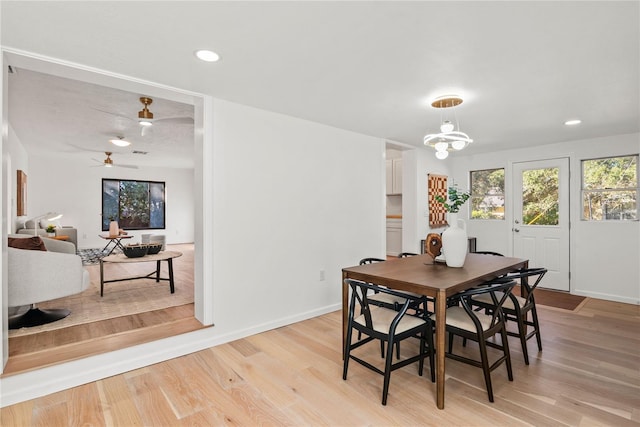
column 522, row 332
column 387, row 371
column 484, row 358
column 422, row 353
column 450, row 342
column 505, row 350
column 431, row 355
column 536, row 324
column 347, row 353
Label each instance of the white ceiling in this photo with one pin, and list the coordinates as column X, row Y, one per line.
column 370, row 67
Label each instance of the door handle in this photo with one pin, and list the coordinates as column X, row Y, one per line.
column 517, row 222
column 517, row 230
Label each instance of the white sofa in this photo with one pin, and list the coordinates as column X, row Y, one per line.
column 71, row 232
column 35, row 276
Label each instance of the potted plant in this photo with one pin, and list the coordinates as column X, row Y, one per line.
column 456, row 197
column 51, row 230
column 454, row 238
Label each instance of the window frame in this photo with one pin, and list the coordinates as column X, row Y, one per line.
column 584, row 190
column 503, row 194
column 106, row 211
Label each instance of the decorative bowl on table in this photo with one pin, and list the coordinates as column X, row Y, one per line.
column 154, row 248
column 135, row 251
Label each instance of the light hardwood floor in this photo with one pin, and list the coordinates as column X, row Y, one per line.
column 587, row 374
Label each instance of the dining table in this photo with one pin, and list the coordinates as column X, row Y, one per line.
column 422, row 275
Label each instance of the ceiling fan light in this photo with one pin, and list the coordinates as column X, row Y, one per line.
column 120, row 142
column 446, row 126
column 441, row 155
column 145, row 123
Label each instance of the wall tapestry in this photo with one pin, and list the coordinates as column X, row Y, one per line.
column 437, row 186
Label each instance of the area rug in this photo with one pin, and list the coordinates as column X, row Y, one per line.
column 556, row 299
column 121, row 298
column 93, row 256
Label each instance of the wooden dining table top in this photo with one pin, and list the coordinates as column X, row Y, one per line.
column 420, row 274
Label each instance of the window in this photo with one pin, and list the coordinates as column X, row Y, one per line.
column 487, row 194
column 136, row 205
column 610, row 188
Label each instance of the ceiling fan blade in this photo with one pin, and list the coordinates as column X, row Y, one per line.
column 125, row 166
column 112, row 113
column 176, row 120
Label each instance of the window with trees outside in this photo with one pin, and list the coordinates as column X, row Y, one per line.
column 610, row 188
column 136, row 205
column 487, row 194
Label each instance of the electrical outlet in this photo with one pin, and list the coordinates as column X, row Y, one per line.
column 321, row 275
column 84, row 235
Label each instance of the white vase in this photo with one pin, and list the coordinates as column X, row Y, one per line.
column 114, row 230
column 454, row 241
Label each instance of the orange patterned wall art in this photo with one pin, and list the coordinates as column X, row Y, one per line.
column 21, row 193
column 437, row 186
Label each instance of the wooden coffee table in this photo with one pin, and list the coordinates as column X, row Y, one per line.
column 122, row 258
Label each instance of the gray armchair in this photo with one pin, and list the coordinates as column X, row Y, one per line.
column 36, row 276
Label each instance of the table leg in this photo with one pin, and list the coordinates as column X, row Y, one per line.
column 345, row 311
column 441, row 323
column 171, row 284
column 101, row 278
column 157, row 271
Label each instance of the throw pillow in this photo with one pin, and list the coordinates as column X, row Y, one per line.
column 34, row 243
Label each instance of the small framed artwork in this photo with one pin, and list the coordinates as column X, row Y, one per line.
column 21, row 193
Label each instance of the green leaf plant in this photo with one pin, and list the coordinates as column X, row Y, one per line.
column 457, row 198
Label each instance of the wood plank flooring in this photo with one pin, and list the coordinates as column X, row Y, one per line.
column 587, row 374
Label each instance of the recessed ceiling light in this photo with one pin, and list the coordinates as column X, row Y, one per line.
column 207, row 55
column 573, row 122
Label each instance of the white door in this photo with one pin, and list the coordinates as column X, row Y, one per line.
column 541, row 218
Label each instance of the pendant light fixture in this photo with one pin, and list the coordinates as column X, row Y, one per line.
column 449, row 138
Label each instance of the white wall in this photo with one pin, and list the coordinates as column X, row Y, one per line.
column 291, row 198
column 604, row 256
column 74, row 188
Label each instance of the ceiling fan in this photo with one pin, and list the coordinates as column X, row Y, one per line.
column 108, row 162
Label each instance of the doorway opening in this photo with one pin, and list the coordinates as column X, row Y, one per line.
column 201, row 310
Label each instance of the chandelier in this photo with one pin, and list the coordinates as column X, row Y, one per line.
column 449, row 137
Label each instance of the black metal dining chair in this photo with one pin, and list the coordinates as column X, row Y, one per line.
column 517, row 308
column 388, row 326
column 481, row 327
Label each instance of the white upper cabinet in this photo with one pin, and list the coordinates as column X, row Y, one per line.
column 394, row 176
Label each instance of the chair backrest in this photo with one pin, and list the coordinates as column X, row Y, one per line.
column 488, row 253
column 360, row 297
column 499, row 289
column 529, row 274
column 406, row 254
column 364, row 261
